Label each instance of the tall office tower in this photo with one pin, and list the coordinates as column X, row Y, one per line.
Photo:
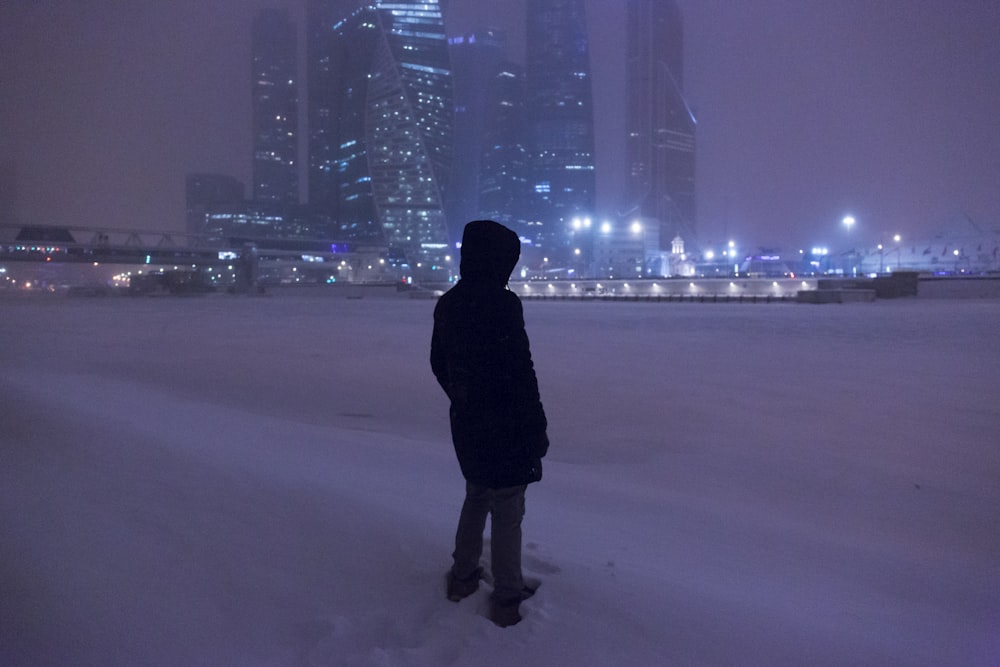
column 321, row 83
column 661, row 128
column 561, row 119
column 381, row 151
column 476, row 59
column 504, row 164
column 275, row 109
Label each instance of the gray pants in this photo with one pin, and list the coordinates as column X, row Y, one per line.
column 506, row 507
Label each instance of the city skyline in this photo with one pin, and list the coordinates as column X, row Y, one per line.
column 806, row 112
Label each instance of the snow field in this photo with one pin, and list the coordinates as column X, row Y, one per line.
column 269, row 481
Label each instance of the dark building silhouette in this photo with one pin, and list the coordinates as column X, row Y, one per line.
column 208, row 195
column 504, row 165
column 560, row 115
column 661, row 128
column 323, row 93
column 275, row 109
column 381, row 125
column 476, row 58
column 489, row 177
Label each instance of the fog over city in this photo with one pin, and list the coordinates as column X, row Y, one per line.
column 807, row 111
column 222, row 448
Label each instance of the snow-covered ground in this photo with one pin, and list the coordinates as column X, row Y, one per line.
column 270, row 481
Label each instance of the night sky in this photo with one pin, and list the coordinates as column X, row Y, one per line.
column 808, row 110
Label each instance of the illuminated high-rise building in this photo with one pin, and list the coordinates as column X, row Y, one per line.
column 489, row 177
column 381, row 125
column 275, row 109
column 504, row 163
column 560, row 116
column 476, row 58
column 661, row 128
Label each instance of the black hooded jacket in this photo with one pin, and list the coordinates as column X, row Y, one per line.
column 480, row 357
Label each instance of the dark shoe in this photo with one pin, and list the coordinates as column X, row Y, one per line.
column 459, row 589
column 505, row 613
column 530, row 586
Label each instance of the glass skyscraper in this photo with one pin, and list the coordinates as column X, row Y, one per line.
column 476, row 58
column 661, row 128
column 275, row 109
column 504, row 164
column 560, row 115
column 381, row 125
column 489, row 176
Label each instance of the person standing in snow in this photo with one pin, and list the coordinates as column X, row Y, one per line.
column 481, row 358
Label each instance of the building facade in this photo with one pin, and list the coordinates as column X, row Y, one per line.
column 660, row 142
column 381, row 127
column 560, row 118
column 208, row 194
column 504, row 165
column 489, row 177
column 275, row 109
column 476, row 58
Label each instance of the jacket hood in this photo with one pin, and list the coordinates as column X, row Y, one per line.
column 489, row 252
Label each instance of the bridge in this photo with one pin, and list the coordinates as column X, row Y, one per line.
column 222, row 259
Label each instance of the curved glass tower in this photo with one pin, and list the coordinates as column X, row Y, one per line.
column 381, row 148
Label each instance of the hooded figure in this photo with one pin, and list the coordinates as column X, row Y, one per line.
column 481, row 358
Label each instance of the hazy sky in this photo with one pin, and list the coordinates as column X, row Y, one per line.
column 808, row 110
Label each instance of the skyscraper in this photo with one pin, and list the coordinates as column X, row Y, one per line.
column 504, row 164
column 275, row 109
column 380, row 146
column 489, row 178
column 476, row 59
column 560, row 108
column 661, row 128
